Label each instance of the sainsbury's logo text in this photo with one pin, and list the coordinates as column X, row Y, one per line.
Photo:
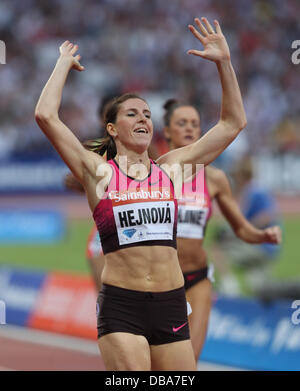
column 118, row 196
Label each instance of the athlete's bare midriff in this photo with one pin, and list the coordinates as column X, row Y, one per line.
column 191, row 254
column 143, row 268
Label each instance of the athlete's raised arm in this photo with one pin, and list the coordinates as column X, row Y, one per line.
column 232, row 118
column 80, row 160
column 231, row 211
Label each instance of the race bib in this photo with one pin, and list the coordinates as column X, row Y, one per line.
column 142, row 221
column 191, row 221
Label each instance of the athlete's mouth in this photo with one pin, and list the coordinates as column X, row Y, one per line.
column 188, row 137
column 141, row 130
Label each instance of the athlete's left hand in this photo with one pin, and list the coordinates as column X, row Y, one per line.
column 214, row 42
column 273, row 235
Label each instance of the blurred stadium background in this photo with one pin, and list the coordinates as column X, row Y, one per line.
column 134, row 45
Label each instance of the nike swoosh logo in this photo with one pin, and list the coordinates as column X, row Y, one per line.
column 153, row 183
column 178, row 328
column 192, row 276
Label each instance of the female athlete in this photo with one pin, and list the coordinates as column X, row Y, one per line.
column 142, row 323
column 182, row 127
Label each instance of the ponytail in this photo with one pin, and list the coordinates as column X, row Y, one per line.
column 102, row 146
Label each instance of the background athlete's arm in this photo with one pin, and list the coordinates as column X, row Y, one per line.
column 232, row 119
column 79, row 160
column 72, row 183
column 240, row 225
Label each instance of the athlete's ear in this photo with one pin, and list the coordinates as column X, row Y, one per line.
column 111, row 130
column 166, row 132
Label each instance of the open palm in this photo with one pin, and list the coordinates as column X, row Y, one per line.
column 68, row 50
column 214, row 42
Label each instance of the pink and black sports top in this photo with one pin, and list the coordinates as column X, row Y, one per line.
column 194, row 208
column 137, row 213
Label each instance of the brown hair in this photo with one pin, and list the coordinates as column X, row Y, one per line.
column 107, row 144
column 170, row 106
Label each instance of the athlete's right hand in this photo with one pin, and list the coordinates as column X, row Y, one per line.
column 215, row 45
column 67, row 51
column 273, row 235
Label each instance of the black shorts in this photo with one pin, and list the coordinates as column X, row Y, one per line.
column 192, row 278
column 161, row 317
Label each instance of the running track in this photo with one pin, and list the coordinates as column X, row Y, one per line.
column 24, row 349
column 31, row 350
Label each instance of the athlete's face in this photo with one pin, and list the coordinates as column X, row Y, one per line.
column 184, row 127
column 133, row 127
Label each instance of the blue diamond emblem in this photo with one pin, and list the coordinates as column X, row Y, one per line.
column 129, row 232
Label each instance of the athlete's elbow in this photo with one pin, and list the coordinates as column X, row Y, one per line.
column 241, row 233
column 242, row 123
column 238, row 231
column 43, row 116
column 235, row 127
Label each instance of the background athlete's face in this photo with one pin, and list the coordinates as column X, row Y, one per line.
column 133, row 127
column 184, row 127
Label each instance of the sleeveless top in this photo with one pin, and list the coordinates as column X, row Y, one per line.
column 194, row 208
column 137, row 212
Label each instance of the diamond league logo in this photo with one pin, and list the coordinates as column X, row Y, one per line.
column 129, row 232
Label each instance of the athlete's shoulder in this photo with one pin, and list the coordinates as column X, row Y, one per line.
column 214, row 174
column 95, row 156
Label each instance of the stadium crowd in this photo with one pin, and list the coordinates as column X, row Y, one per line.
column 141, row 46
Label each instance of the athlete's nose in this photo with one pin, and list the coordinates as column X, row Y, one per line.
column 141, row 118
column 189, row 129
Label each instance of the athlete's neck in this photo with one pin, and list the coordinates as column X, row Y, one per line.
column 172, row 146
column 136, row 165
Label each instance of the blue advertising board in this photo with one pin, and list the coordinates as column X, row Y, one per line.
column 19, row 290
column 32, row 176
column 31, row 226
column 249, row 334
